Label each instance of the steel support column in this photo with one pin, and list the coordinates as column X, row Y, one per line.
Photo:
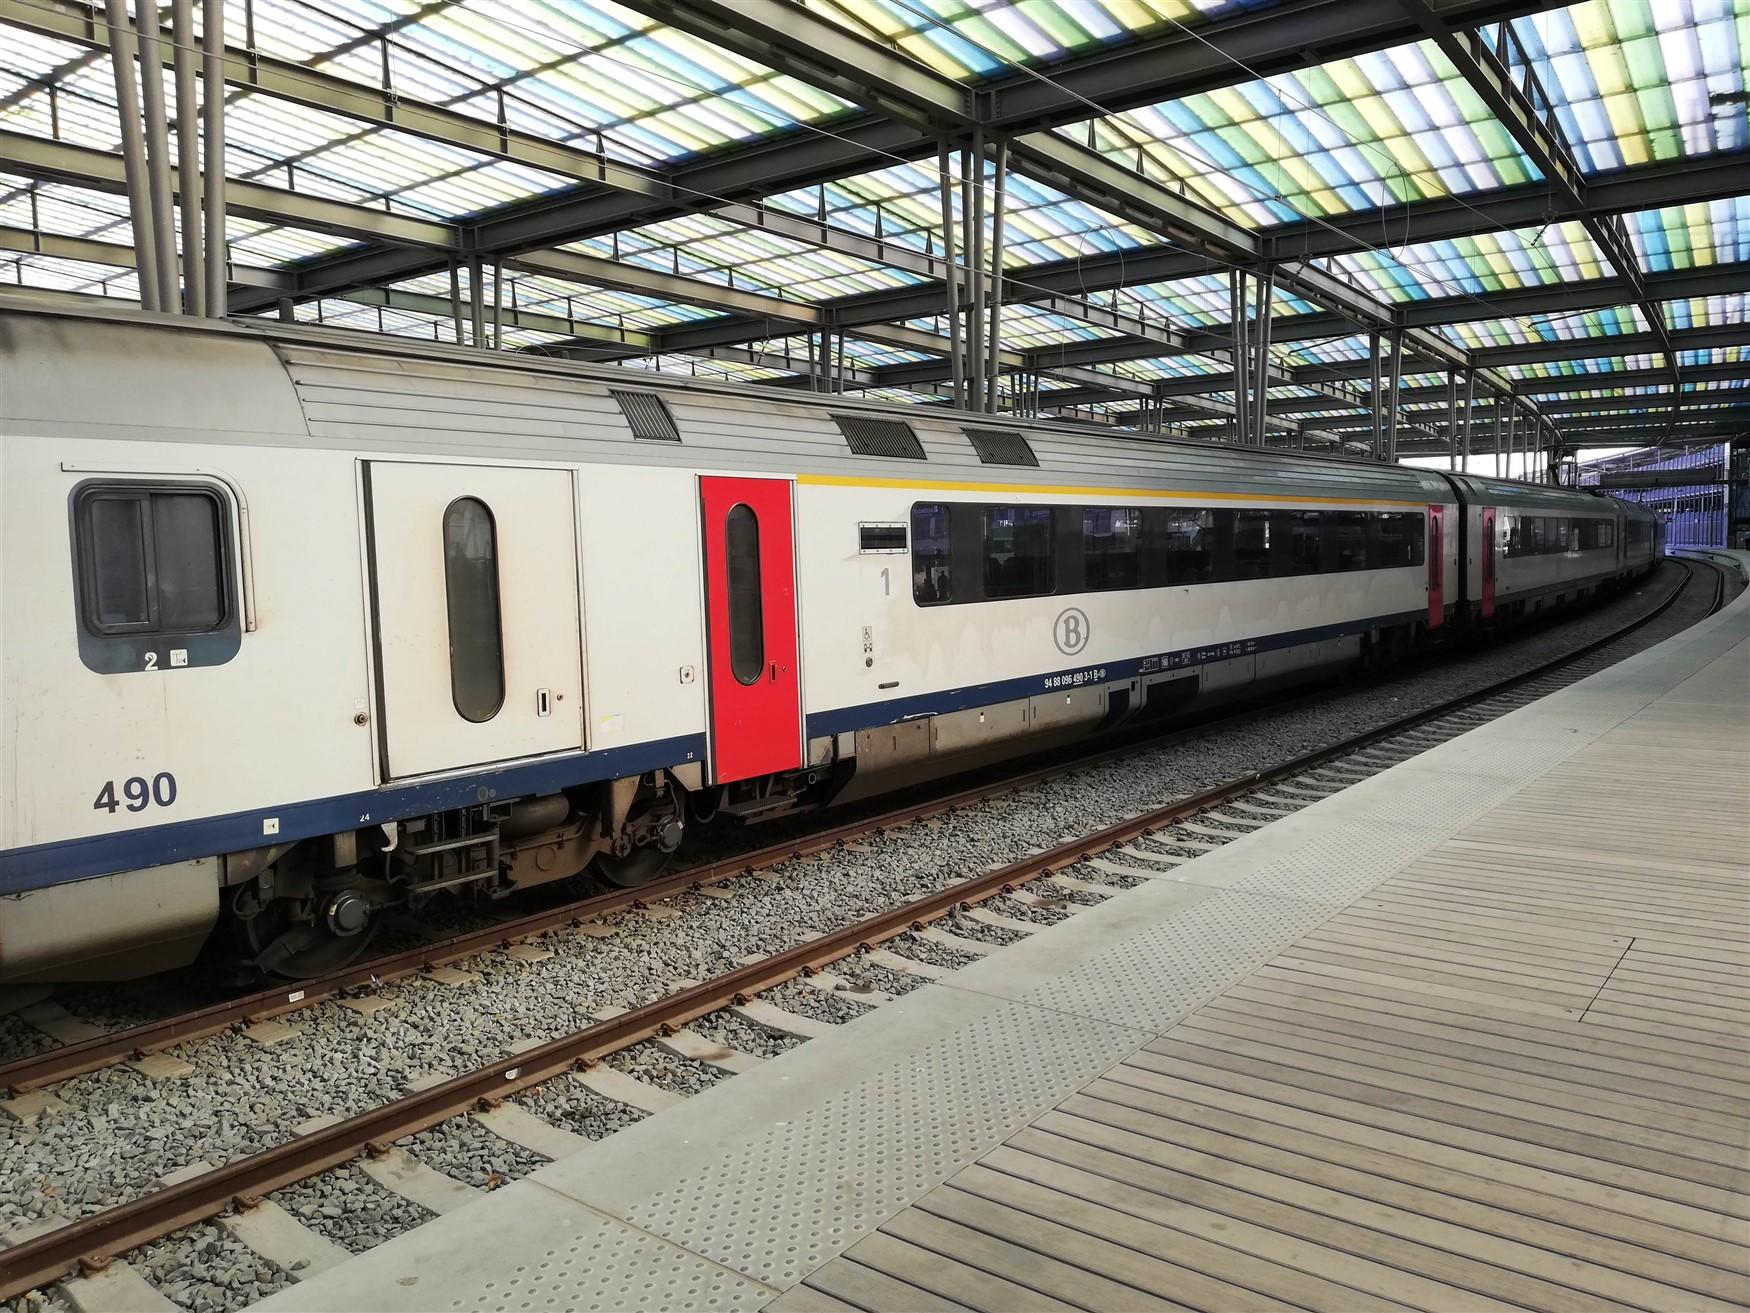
column 213, row 155
column 1261, row 355
column 1451, row 420
column 188, row 153
column 972, row 209
column 951, row 275
column 1376, row 447
column 158, row 155
column 1391, row 414
column 994, row 365
column 127, row 95
column 1470, row 400
column 1242, row 349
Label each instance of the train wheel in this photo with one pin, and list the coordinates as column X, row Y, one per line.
column 652, row 832
column 297, row 938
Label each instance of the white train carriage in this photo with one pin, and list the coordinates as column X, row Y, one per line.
column 1529, row 547
column 300, row 625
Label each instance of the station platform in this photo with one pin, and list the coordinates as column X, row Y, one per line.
column 1468, row 1035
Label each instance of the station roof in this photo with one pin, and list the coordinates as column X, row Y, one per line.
column 1551, row 204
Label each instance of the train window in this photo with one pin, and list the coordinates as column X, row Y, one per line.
column 1534, row 538
column 932, row 581
column 1251, row 544
column 747, row 623
column 1350, row 537
column 1190, row 546
column 1304, row 530
column 1604, row 533
column 1398, row 540
column 1017, row 551
column 151, row 560
column 1111, row 547
column 471, row 594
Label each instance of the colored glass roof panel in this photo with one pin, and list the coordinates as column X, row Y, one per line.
column 587, row 71
column 1707, row 311
column 902, row 204
column 571, row 301
column 1151, row 368
column 973, row 39
column 1391, row 126
column 1329, row 351
column 1569, row 327
column 1644, row 80
column 713, row 249
column 1692, row 236
column 1720, row 355
column 1196, row 301
column 1479, row 265
column 1601, row 365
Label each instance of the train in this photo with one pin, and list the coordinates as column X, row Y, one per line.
column 301, row 625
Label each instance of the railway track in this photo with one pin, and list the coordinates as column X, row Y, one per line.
column 1137, row 847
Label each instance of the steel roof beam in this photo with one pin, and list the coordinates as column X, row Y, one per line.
column 382, row 107
column 101, row 170
column 89, row 250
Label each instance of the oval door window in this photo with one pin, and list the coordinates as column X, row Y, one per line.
column 471, row 591
column 747, row 629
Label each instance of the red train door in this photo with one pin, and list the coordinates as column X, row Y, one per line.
column 1436, row 567
column 1488, row 562
column 750, row 616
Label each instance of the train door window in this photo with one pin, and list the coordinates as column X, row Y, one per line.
column 1190, row 546
column 932, row 580
column 1251, row 543
column 1111, row 547
column 151, row 560
column 747, row 623
column 1350, row 537
column 471, row 596
column 153, row 576
column 1017, row 551
column 1304, row 531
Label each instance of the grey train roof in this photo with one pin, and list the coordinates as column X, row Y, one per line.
column 284, row 384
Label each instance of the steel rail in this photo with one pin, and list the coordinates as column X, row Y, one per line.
column 90, row 1243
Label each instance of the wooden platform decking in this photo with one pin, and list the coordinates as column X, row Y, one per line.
column 1514, row 1075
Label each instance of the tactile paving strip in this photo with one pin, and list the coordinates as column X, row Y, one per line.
column 1152, row 978
column 776, row 1205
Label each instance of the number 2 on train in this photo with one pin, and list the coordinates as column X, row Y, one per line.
column 139, row 795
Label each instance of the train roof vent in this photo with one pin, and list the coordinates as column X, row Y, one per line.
column 868, row 436
column 1001, row 447
column 648, row 416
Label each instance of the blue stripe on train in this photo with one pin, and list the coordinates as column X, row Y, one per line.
column 894, row 710
column 46, row 864
column 75, row 859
